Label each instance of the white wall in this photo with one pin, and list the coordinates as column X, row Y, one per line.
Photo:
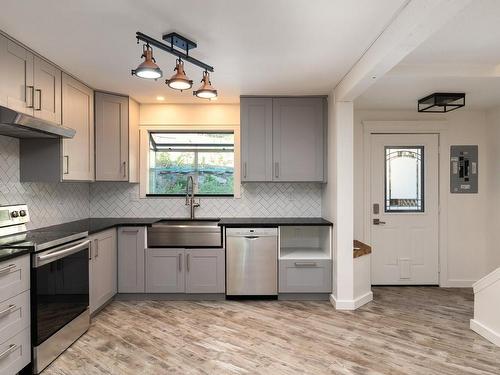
column 493, row 154
column 468, row 223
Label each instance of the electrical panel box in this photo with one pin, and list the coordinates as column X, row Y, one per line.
column 464, row 169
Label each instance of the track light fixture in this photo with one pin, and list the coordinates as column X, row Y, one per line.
column 206, row 91
column 178, row 46
column 148, row 68
column 179, row 81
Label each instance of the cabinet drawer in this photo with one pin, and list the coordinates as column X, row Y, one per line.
column 14, row 277
column 305, row 276
column 15, row 353
column 14, row 315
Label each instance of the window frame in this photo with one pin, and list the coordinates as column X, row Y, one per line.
column 206, row 128
column 422, row 174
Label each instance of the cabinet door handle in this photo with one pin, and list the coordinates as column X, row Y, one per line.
column 7, row 311
column 130, row 230
column 7, row 351
column 96, row 248
column 90, row 250
column 188, row 262
column 277, row 169
column 32, row 88
column 124, row 169
column 39, row 100
column 9, row 268
column 245, row 169
column 305, row 264
column 66, row 171
column 179, row 261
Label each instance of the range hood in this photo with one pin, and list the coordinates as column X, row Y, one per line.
column 20, row 125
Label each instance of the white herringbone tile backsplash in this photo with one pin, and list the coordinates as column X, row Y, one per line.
column 49, row 204
column 57, row 203
column 117, row 199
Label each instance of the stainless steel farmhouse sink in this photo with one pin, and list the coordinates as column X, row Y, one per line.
column 185, row 233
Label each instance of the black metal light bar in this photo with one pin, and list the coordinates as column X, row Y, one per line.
column 441, row 102
column 170, row 49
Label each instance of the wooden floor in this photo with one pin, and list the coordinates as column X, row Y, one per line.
column 406, row 330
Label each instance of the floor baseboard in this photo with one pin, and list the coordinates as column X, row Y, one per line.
column 352, row 304
column 486, row 332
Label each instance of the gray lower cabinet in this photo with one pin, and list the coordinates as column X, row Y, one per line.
column 15, row 343
column 185, row 270
column 305, row 276
column 131, row 248
column 205, row 271
column 103, row 268
column 165, row 271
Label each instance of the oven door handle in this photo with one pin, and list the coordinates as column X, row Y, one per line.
column 54, row 255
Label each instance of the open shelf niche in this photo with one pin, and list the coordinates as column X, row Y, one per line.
column 305, row 242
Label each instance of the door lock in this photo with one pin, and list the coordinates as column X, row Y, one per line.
column 378, row 222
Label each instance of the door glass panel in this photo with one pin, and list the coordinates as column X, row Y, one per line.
column 404, row 174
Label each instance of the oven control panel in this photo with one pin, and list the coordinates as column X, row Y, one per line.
column 14, row 215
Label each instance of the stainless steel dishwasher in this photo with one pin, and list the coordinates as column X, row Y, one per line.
column 252, row 261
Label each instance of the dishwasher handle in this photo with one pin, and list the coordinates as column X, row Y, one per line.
column 251, row 237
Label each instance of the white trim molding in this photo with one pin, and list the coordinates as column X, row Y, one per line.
column 486, row 332
column 415, row 127
column 351, row 304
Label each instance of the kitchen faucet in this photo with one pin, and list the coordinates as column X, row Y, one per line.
column 190, row 196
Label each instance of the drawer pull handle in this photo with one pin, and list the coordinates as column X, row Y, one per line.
column 9, row 268
column 306, row 264
column 7, row 351
column 7, row 311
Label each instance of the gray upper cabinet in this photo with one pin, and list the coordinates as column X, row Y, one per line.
column 131, row 248
column 29, row 84
column 298, row 139
column 283, row 139
column 47, row 95
column 16, row 77
column 112, row 137
column 205, row 271
column 78, row 114
column 256, row 121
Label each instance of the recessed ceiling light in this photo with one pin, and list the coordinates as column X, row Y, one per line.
column 160, row 98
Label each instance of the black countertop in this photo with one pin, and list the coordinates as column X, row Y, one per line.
column 28, row 241
column 273, row 221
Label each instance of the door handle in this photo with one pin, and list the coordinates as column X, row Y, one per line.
column 245, row 169
column 378, row 222
column 32, row 88
column 180, row 262
column 67, row 164
column 188, row 262
column 124, row 169
column 277, row 169
column 39, row 100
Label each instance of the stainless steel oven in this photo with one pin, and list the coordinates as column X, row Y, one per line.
column 60, row 300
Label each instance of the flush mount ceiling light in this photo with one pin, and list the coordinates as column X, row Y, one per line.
column 441, row 102
column 206, row 91
column 179, row 81
column 148, row 68
column 178, row 46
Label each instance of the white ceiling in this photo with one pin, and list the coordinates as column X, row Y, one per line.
column 462, row 57
column 285, row 47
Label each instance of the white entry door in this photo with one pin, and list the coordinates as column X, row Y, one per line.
column 404, row 209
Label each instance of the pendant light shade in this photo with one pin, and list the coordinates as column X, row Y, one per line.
column 179, row 81
column 148, row 68
column 206, row 91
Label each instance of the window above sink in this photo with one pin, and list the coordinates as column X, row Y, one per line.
column 208, row 156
